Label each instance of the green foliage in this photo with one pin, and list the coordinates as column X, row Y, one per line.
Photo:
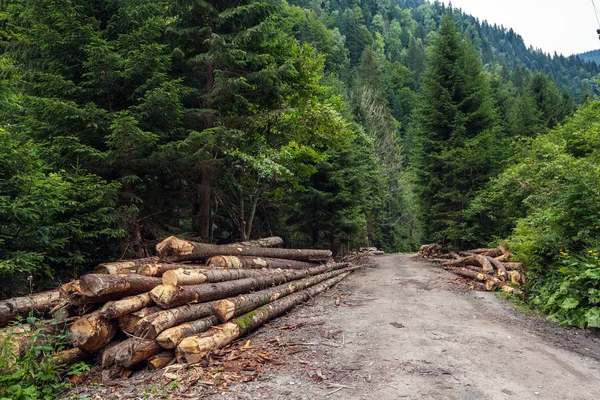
column 33, row 374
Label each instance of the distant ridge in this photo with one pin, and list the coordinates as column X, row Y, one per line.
column 593, row 55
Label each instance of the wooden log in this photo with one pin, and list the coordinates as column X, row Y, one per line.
column 499, row 267
column 92, row 332
column 504, row 257
column 473, row 259
column 129, row 323
column 128, row 305
column 109, row 353
column 493, row 283
column 69, row 357
column 229, row 308
column 71, row 292
column 468, row 273
column 513, row 290
column 124, row 266
column 133, row 351
column 497, row 252
column 169, row 296
column 273, row 241
column 173, row 249
column 128, row 285
column 38, row 303
column 170, row 338
column 184, row 277
column 516, row 277
column 192, row 349
column 161, row 360
column 513, row 266
column 256, row 262
column 158, row 269
column 151, row 326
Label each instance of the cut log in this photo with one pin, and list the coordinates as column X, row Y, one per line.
column 273, row 241
column 130, row 322
column 499, row 267
column 493, row 283
column 170, row 338
column 234, row 307
column 169, row 296
column 516, row 277
column 38, row 303
column 133, row 351
column 150, row 326
column 92, row 332
column 175, row 250
column 468, row 273
column 256, row 263
column 124, row 266
column 118, row 308
column 109, row 353
column 161, row 360
column 497, row 252
column 71, row 292
column 504, row 257
column 158, row 269
column 192, row 349
column 127, row 285
column 513, row 290
column 513, row 266
column 184, row 277
column 473, row 259
column 69, row 357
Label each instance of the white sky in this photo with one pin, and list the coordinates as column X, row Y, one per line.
column 565, row 26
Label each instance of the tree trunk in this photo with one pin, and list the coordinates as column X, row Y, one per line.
column 133, row 351
column 204, row 190
column 161, row 360
column 176, row 250
column 468, row 273
column 234, row 307
column 91, row 332
column 473, row 259
column 151, row 326
column 126, row 285
column 38, row 303
column 192, row 349
column 158, row 269
column 497, row 252
column 169, row 296
column 130, row 322
column 170, row 338
column 513, row 266
column 257, row 262
column 273, row 241
column 499, row 267
column 118, row 308
column 125, row 266
column 183, row 277
column 107, row 358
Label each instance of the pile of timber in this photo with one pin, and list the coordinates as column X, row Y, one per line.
column 190, row 300
column 488, row 269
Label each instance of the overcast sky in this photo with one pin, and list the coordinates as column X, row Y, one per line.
column 565, row 26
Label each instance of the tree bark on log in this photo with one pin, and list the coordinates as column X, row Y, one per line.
column 128, row 305
column 102, row 284
column 497, row 252
column 41, row 303
column 229, row 308
column 133, row 351
column 170, row 338
column 468, row 273
column 186, row 277
column 192, row 349
column 151, row 326
column 91, row 332
column 273, row 241
column 161, row 360
column 107, row 357
column 169, row 296
column 69, row 357
column 71, row 292
column 176, row 250
column 130, row 322
column 257, row 263
column 513, row 266
column 158, row 269
column 499, row 267
column 474, row 259
column 125, row 266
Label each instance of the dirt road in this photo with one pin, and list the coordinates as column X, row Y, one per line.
column 406, row 330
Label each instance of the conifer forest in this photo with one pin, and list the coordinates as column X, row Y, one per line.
column 334, row 124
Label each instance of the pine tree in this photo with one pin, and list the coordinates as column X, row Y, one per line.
column 456, row 134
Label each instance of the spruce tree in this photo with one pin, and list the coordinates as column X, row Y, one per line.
column 456, row 134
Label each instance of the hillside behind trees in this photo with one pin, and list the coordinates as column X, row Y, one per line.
column 333, row 124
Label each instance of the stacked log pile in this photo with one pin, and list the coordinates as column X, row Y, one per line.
column 192, row 299
column 487, row 269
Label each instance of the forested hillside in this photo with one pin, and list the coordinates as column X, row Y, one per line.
column 593, row 55
column 333, row 124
